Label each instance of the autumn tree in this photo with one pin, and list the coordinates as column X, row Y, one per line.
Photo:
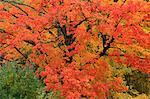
column 73, row 41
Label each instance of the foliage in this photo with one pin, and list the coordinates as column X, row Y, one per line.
column 73, row 42
column 127, row 96
column 21, row 83
column 138, row 83
column 17, row 82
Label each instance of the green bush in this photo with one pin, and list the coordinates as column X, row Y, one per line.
column 18, row 83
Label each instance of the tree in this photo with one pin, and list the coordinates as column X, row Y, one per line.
column 75, row 40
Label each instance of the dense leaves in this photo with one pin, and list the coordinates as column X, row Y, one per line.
column 18, row 83
column 74, row 41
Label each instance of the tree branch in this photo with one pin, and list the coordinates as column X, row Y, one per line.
column 13, row 4
column 20, row 52
column 106, row 45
